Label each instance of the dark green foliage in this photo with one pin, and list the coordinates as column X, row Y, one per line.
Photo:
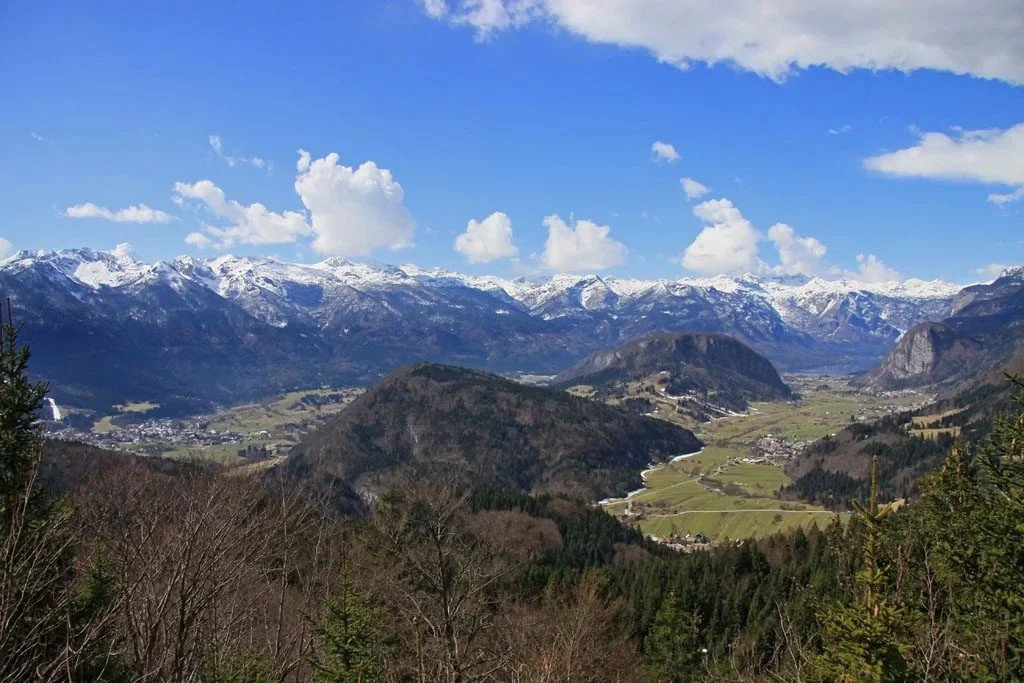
column 745, row 594
column 865, row 640
column 962, row 561
column 834, row 471
column 20, row 435
column 489, row 429
column 350, row 638
column 673, row 646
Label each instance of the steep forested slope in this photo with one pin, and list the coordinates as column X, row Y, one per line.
column 498, row 431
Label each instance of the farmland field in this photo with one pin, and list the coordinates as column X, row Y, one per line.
column 719, row 495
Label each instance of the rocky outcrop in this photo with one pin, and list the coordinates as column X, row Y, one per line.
column 928, row 353
column 985, row 330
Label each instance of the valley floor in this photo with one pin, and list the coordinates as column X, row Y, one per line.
column 730, row 489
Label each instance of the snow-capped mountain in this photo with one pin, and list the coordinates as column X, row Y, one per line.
column 105, row 323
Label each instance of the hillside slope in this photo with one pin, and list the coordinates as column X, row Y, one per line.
column 984, row 331
column 497, row 431
column 715, row 368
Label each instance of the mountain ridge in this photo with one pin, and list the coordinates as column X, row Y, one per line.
column 984, row 330
column 102, row 322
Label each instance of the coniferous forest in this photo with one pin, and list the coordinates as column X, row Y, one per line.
column 125, row 569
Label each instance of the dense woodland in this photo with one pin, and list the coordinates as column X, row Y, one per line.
column 124, row 569
column 430, row 418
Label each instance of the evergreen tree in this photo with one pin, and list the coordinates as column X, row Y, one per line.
column 673, row 647
column 20, row 434
column 350, row 638
column 865, row 641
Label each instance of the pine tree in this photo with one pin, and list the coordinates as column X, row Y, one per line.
column 20, row 435
column 350, row 638
column 865, row 641
column 672, row 646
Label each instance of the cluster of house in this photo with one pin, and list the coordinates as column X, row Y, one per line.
column 690, row 543
column 771, row 449
column 178, row 432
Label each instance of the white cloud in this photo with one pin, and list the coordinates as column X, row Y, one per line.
column 663, row 151
column 871, row 269
column 727, row 244
column 132, row 214
column 435, row 9
column 252, row 224
column 774, row 38
column 991, row 271
column 841, row 130
column 198, row 240
column 353, row 211
column 984, row 156
column 796, row 254
column 585, row 247
column 217, row 145
column 5, row 248
column 1007, row 197
column 693, row 189
column 487, row 240
column 488, row 16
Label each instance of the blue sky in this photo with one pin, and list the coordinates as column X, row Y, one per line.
column 530, row 108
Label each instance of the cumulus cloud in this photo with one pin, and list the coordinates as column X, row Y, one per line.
column 487, row 240
column 693, row 189
column 585, row 247
column 353, row 210
column 871, row 269
column 252, row 224
column 132, row 214
column 991, row 271
column 198, row 240
column 727, row 244
column 796, row 254
column 217, row 145
column 350, row 212
column 663, row 151
column 5, row 248
column 984, row 156
column 775, row 38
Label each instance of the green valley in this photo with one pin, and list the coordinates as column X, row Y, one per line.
column 730, row 490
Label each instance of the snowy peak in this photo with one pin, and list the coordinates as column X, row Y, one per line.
column 767, row 311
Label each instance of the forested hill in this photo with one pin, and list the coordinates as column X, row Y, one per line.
column 713, row 367
column 499, row 432
column 835, row 470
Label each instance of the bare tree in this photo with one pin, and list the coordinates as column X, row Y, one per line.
column 187, row 552
column 442, row 579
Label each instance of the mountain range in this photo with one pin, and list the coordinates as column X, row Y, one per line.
column 106, row 327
